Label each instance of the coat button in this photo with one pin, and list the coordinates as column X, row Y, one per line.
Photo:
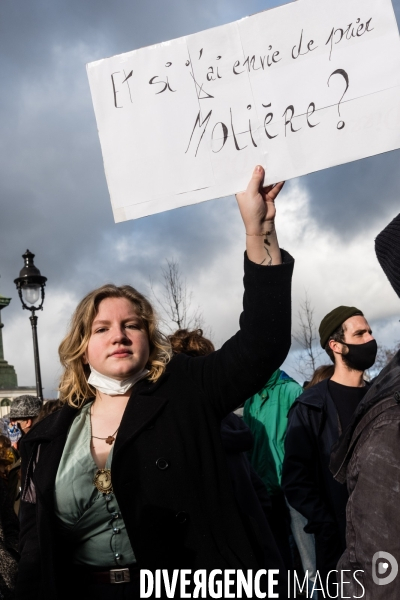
column 162, row 464
column 182, row 517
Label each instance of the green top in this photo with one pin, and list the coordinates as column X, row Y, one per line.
column 86, row 517
column 266, row 415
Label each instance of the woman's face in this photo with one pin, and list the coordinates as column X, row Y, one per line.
column 118, row 345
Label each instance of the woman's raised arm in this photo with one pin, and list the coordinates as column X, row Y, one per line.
column 245, row 362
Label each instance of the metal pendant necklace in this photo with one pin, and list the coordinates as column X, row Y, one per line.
column 109, row 439
column 102, row 481
column 102, row 477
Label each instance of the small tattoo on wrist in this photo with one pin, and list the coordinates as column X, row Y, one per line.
column 270, row 257
column 266, row 240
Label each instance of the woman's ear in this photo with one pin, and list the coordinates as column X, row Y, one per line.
column 84, row 359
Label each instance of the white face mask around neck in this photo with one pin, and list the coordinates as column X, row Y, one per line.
column 114, row 387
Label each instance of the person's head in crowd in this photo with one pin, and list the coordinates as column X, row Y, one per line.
column 110, row 317
column 320, row 373
column 4, row 425
column 6, row 456
column 387, row 248
column 347, row 338
column 24, row 411
column 192, row 343
column 4, row 442
column 48, row 408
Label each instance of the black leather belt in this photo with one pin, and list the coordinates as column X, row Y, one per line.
column 107, row 576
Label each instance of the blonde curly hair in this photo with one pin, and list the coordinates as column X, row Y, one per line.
column 74, row 388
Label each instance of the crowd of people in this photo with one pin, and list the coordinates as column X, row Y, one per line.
column 164, row 453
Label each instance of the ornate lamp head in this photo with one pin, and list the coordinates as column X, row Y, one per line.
column 30, row 284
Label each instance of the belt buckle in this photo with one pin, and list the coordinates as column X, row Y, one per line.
column 120, row 576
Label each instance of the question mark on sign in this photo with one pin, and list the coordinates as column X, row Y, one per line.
column 343, row 73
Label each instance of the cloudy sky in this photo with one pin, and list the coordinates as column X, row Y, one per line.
column 54, row 198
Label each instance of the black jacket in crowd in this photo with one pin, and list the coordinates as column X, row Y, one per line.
column 250, row 492
column 9, row 531
column 169, row 469
column 308, row 484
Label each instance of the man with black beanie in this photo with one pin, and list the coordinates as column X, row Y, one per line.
column 367, row 457
column 316, row 422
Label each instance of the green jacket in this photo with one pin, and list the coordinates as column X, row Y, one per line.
column 266, row 415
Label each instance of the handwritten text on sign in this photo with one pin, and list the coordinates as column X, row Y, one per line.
column 299, row 88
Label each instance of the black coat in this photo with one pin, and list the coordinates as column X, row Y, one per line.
column 9, row 530
column 168, row 470
column 313, row 428
column 250, row 492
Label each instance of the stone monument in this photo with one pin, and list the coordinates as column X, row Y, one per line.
column 8, row 378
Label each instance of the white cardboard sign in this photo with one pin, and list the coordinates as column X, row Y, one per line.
column 299, row 88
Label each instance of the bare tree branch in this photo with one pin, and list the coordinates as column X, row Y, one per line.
column 307, row 338
column 175, row 301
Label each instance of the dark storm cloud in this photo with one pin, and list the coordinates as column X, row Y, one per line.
column 348, row 198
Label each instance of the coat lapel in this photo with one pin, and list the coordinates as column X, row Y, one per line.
column 143, row 407
column 44, row 446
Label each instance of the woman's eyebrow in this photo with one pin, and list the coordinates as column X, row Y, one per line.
column 100, row 322
column 107, row 322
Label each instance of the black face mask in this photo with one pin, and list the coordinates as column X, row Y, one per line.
column 361, row 357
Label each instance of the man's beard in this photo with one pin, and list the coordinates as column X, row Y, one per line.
column 349, row 364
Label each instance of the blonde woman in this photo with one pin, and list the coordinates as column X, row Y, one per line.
column 130, row 473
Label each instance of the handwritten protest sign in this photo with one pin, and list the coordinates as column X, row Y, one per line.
column 299, row 88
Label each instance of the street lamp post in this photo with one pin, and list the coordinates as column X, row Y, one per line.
column 30, row 285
